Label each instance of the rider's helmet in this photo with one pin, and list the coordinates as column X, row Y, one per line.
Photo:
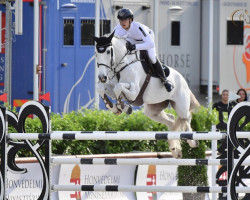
column 125, row 13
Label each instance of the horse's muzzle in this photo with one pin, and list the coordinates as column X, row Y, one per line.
column 103, row 79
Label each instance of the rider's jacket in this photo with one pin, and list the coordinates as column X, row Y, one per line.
column 138, row 34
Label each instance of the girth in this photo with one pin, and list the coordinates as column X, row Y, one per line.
column 139, row 99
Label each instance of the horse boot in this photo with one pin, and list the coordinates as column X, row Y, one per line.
column 169, row 86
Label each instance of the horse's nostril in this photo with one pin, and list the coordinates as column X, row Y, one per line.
column 103, row 79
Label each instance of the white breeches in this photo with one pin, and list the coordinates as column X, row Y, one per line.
column 152, row 55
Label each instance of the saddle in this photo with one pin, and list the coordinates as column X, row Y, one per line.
column 150, row 71
column 148, row 67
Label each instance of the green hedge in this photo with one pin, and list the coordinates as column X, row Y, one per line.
column 103, row 120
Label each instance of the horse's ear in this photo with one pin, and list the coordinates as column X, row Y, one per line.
column 94, row 37
column 111, row 36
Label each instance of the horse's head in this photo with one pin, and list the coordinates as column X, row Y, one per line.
column 105, row 56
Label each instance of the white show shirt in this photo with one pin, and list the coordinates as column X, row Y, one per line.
column 138, row 34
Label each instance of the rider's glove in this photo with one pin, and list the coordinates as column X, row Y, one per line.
column 130, row 47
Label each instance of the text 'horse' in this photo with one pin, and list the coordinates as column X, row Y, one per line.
column 121, row 77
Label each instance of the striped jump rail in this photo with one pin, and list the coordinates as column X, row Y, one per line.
column 122, row 135
column 143, row 161
column 131, row 188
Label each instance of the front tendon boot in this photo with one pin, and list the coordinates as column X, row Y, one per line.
column 169, row 86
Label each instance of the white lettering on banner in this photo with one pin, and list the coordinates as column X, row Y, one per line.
column 101, row 179
column 1, row 68
column 82, row 1
column 179, row 3
column 234, row 4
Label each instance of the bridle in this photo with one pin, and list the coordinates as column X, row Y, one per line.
column 102, row 49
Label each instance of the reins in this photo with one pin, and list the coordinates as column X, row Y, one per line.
column 102, row 49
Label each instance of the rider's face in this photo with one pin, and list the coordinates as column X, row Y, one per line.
column 125, row 23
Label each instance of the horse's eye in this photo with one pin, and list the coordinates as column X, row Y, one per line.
column 108, row 52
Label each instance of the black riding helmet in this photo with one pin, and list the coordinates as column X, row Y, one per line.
column 125, row 13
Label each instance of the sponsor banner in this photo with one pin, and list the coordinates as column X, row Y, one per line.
column 96, row 175
column 26, row 186
column 160, row 175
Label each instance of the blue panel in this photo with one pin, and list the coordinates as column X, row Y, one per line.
column 22, row 58
column 69, row 80
column 59, row 80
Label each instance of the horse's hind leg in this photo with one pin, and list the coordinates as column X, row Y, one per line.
column 192, row 143
column 156, row 112
column 183, row 122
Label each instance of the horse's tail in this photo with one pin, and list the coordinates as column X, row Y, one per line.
column 193, row 101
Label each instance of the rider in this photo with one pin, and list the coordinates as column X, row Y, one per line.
column 142, row 38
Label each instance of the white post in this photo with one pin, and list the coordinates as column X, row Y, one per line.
column 214, row 168
column 20, row 17
column 8, row 42
column 156, row 10
column 97, row 34
column 36, row 50
column 210, row 61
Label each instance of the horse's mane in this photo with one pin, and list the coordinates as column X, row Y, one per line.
column 120, row 37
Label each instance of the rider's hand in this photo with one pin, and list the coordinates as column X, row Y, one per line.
column 130, row 47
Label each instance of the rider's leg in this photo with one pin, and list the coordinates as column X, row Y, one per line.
column 158, row 67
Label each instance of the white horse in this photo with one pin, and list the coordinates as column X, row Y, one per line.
column 121, row 76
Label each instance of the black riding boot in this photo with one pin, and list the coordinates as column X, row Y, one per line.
column 161, row 73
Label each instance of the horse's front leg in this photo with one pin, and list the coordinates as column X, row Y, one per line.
column 127, row 89
column 105, row 89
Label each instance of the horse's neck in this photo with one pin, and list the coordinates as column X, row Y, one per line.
column 120, row 51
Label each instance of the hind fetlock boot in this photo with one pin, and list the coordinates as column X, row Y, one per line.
column 168, row 85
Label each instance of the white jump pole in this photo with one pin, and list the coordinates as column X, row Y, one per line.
column 214, row 169
column 131, row 188
column 143, row 161
column 123, row 135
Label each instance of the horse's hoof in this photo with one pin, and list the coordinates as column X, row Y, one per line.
column 176, row 153
column 193, row 143
column 118, row 112
column 130, row 110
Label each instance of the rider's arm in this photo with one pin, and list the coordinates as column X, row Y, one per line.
column 148, row 41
